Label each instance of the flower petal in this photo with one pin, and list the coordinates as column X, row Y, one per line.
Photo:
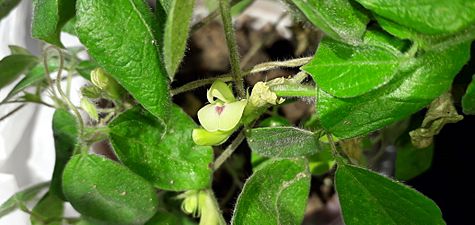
column 204, row 137
column 231, row 115
column 221, row 91
column 208, row 117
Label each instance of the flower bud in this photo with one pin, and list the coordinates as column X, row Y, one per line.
column 262, row 95
column 89, row 108
column 105, row 82
column 190, row 204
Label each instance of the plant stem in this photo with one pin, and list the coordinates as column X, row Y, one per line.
column 293, row 90
column 299, row 77
column 332, row 144
column 228, row 151
column 60, row 90
column 335, row 152
column 228, row 77
column 209, row 18
column 24, row 101
column 47, row 73
column 12, row 112
column 225, row 10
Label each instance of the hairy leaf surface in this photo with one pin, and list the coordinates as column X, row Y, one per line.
column 120, row 37
column 164, row 154
column 104, row 190
column 282, row 142
column 65, row 132
column 342, row 20
column 426, row 16
column 417, row 83
column 369, row 198
column 274, row 194
column 176, row 34
column 49, row 16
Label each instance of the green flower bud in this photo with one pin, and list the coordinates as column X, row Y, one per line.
column 200, row 203
column 91, row 91
column 89, row 108
column 190, row 203
column 105, row 82
column 262, row 95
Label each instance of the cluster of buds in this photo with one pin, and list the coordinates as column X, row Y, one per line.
column 201, row 204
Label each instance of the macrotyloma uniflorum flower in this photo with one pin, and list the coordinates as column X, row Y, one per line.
column 222, row 116
column 219, row 118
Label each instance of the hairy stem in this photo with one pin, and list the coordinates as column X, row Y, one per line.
column 60, row 90
column 229, row 150
column 332, row 145
column 225, row 10
column 293, row 90
column 228, row 77
column 209, row 18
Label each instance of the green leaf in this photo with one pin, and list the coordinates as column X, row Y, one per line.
column 342, row 20
column 427, row 41
column 132, row 59
column 176, row 34
column 161, row 20
column 369, row 198
column 18, row 50
column 274, row 194
column 6, row 6
column 21, row 198
column 411, row 161
column 426, row 16
column 417, row 83
column 33, row 77
column 166, row 4
column 49, row 17
column 104, row 190
column 84, row 68
column 322, row 161
column 468, row 100
column 163, row 154
column 69, row 27
column 65, row 132
column 275, row 121
column 347, row 71
column 48, row 211
column 12, row 66
column 163, row 217
column 240, row 6
column 282, row 142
